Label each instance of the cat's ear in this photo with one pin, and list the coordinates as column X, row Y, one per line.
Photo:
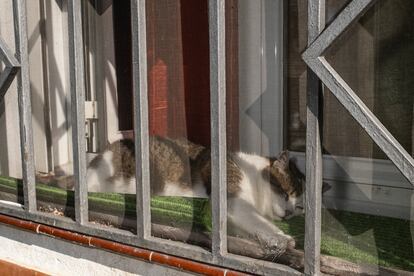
column 326, row 187
column 284, row 158
column 282, row 162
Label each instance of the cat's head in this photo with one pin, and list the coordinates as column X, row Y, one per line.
column 288, row 187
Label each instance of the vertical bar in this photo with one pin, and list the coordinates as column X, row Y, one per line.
column 25, row 106
column 218, row 126
column 140, row 92
column 316, row 23
column 77, row 90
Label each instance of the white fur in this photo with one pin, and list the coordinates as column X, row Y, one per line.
column 98, row 179
column 256, row 190
column 172, row 189
column 257, row 204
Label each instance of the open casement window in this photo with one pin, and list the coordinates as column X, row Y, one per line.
column 241, row 78
column 363, row 57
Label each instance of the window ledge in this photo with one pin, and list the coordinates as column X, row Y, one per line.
column 135, row 252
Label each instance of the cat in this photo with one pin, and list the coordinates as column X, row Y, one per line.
column 259, row 189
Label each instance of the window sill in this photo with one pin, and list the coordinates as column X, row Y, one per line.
column 146, row 255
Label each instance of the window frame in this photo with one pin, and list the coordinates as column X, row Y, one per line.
column 358, row 177
column 319, row 40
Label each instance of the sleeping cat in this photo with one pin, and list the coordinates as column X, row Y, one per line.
column 259, row 189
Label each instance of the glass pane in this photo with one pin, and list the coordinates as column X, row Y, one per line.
column 110, row 148
column 333, row 8
column 297, row 70
column 367, row 217
column 375, row 58
column 179, row 119
column 11, row 187
column 50, row 109
column 367, row 213
column 265, row 207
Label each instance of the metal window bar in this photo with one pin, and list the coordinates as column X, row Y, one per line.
column 25, row 106
column 77, row 90
column 139, row 61
column 313, row 191
column 140, row 92
column 141, row 133
column 218, row 126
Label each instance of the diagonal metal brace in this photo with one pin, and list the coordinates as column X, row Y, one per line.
column 12, row 68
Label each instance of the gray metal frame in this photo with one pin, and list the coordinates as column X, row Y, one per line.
column 77, row 91
column 313, row 56
column 319, row 40
column 25, row 106
column 140, row 90
column 313, row 192
column 218, row 125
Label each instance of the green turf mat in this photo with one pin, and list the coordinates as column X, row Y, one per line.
column 175, row 211
column 355, row 237
column 360, row 238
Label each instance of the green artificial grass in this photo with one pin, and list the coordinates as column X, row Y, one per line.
column 359, row 238
column 176, row 211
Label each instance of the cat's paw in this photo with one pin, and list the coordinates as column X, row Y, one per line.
column 290, row 241
column 275, row 245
